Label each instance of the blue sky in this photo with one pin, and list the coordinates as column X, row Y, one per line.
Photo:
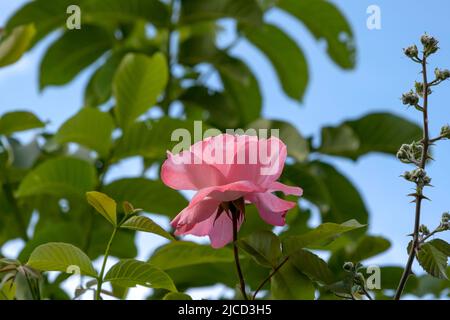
column 382, row 74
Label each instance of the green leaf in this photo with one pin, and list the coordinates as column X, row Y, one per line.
column 99, row 87
column 376, row 132
column 151, row 196
column 137, row 84
column 390, row 278
column 180, row 253
column 154, row 11
column 44, row 15
column 263, row 246
column 286, row 57
column 104, row 205
column 335, row 196
column 312, row 266
column 245, row 11
column 90, row 128
column 433, row 260
column 241, row 86
column 71, row 53
column 64, row 257
column 59, row 176
column 364, row 248
column 152, row 139
column 129, row 273
column 177, row 296
column 17, row 121
column 145, row 224
column 325, row 22
column 14, row 45
column 297, row 146
column 441, row 245
column 289, row 283
column 323, row 234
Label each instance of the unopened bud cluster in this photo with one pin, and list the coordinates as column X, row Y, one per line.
column 430, row 44
column 420, row 88
column 418, row 176
column 411, row 52
column 410, row 98
column 445, row 132
column 445, row 222
column 410, row 153
column 442, row 74
column 424, row 229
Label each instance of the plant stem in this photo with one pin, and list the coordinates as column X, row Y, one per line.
column 270, row 277
column 15, row 208
column 419, row 195
column 235, row 217
column 105, row 259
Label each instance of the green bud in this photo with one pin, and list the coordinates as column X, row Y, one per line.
column 407, row 175
column 424, row 229
column 445, row 131
column 410, row 98
column 359, row 277
column 419, row 88
column 445, row 217
column 442, row 74
column 348, row 266
column 411, row 51
column 430, row 44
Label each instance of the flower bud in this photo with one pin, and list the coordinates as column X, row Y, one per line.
column 411, row 51
column 442, row 74
column 407, row 175
column 410, row 98
column 445, row 217
column 348, row 266
column 359, row 277
column 445, row 131
column 424, row 229
column 419, row 88
column 430, row 44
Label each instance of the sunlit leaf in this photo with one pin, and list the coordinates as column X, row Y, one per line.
column 13, row 46
column 130, row 273
column 433, row 260
column 64, row 257
column 104, row 205
column 140, row 223
column 16, row 121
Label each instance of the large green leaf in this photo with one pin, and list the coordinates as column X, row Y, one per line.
column 16, row 44
column 289, row 283
column 104, row 205
column 335, row 196
column 152, row 139
column 241, row 86
column 245, row 11
column 312, row 266
column 144, row 224
column 90, row 128
column 137, row 84
column 181, row 253
column 11, row 122
column 71, row 53
column 154, row 11
column 322, row 235
column 263, row 246
column 360, row 250
column 433, row 260
column 59, row 176
column 129, row 273
column 297, row 146
column 441, row 245
column 99, row 87
column 325, row 22
column 64, row 257
column 151, row 196
column 286, row 57
column 377, row 132
column 45, row 15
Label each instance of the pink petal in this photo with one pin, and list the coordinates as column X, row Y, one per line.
column 271, row 208
column 287, row 190
column 190, row 216
column 222, row 231
column 228, row 192
column 185, row 171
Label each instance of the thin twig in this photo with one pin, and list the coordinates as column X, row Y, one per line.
column 270, row 277
column 419, row 197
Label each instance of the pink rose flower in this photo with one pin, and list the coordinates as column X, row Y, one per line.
column 225, row 170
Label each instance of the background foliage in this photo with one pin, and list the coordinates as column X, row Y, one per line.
column 160, row 55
